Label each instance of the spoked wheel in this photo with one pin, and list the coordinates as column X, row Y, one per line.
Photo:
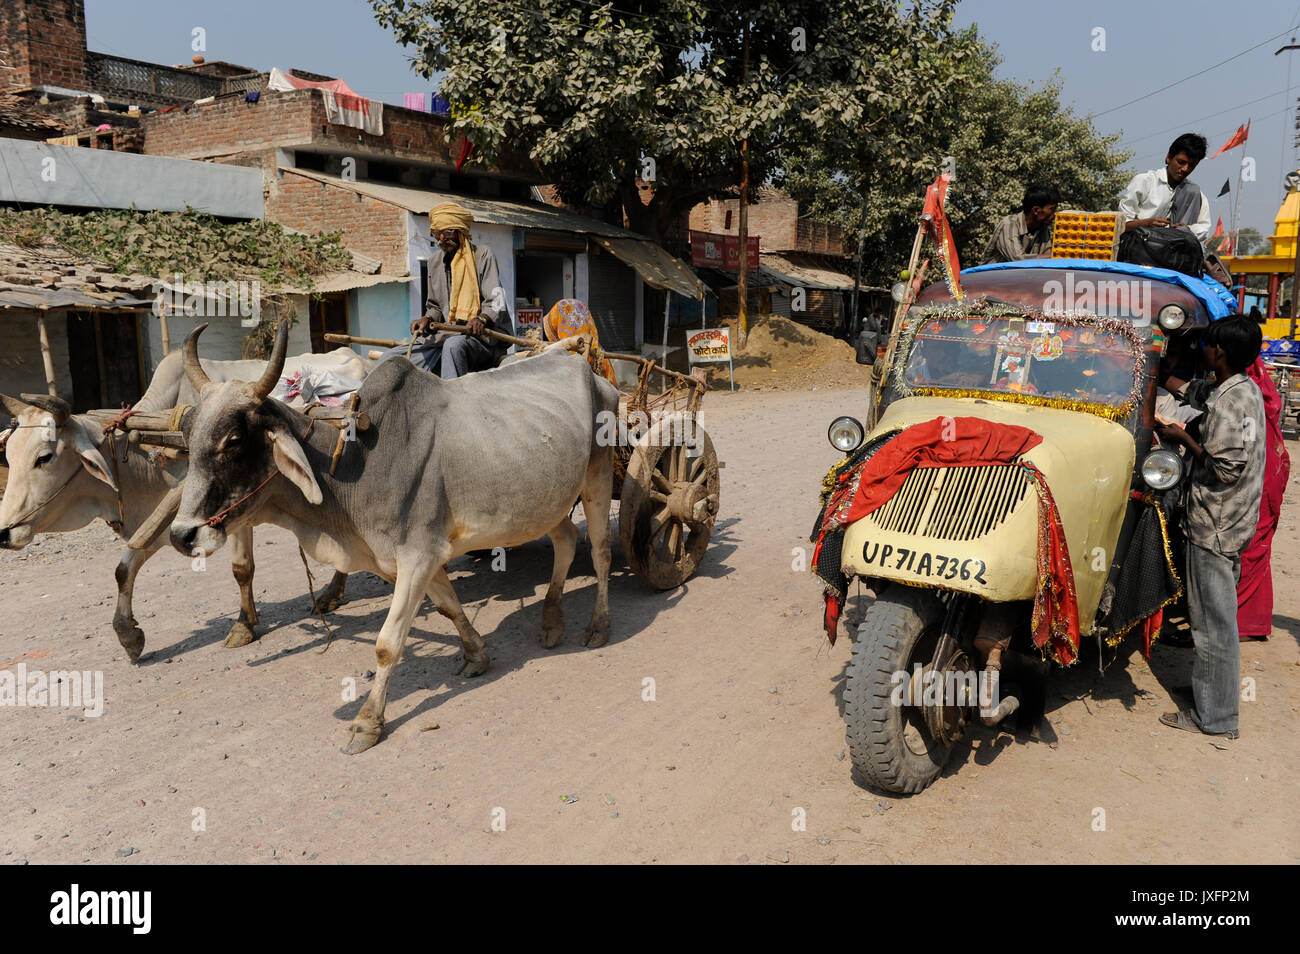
column 667, row 507
column 898, row 747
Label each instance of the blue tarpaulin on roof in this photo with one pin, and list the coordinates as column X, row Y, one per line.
column 1218, row 301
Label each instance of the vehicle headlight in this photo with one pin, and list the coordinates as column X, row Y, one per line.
column 1172, row 317
column 845, row 434
column 1161, row 469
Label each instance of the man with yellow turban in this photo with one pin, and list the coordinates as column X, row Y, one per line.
column 464, row 288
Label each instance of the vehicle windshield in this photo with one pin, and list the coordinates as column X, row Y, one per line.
column 1053, row 359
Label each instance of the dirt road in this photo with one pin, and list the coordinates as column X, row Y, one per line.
column 208, row 754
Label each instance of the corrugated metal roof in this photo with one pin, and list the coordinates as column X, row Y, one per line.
column 490, row 211
column 791, row 274
column 345, row 281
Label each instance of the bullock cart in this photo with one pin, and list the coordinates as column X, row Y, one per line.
column 666, row 471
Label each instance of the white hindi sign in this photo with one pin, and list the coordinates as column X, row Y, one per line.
column 709, row 344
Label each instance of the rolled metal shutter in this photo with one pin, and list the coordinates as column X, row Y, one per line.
column 612, row 300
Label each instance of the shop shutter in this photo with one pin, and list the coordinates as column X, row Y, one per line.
column 612, row 300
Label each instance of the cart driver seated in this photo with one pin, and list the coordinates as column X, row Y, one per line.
column 464, row 288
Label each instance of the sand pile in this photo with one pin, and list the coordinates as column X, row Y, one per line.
column 784, row 355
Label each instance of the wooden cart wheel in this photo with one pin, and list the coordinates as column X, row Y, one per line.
column 667, row 508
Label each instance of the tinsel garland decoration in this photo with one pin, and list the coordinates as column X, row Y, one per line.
column 982, row 308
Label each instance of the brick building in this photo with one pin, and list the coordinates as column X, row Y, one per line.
column 802, row 261
column 323, row 175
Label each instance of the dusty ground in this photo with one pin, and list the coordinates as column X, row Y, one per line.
column 745, row 726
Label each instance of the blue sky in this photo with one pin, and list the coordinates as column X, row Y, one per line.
column 1148, row 45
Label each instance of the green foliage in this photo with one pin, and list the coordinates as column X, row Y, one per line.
column 196, row 245
column 587, row 90
column 1001, row 135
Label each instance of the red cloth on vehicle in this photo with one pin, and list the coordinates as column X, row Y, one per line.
column 963, row 442
column 1255, row 588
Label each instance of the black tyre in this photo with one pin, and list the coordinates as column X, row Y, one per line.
column 891, row 746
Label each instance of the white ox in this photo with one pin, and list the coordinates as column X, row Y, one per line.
column 493, row 459
column 61, row 479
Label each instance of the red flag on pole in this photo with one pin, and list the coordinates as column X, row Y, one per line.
column 1218, row 229
column 935, row 223
column 1228, row 247
column 1238, row 138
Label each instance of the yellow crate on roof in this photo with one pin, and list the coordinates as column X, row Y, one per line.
column 1092, row 235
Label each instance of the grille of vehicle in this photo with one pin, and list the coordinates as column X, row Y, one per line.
column 954, row 503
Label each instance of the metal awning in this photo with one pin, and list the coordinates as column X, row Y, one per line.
column 346, row 281
column 656, row 267
column 790, row 273
column 489, row 211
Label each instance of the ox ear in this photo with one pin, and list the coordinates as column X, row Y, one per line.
column 292, row 462
column 93, row 460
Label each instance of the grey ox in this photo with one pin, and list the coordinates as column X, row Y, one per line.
column 61, row 478
column 493, row 459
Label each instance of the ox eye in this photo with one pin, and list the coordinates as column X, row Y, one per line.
column 44, row 459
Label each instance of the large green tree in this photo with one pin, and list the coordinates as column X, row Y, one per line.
column 591, row 91
column 1000, row 135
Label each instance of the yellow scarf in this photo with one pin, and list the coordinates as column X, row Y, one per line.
column 465, row 303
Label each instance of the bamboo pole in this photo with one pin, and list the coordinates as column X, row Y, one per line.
column 51, row 384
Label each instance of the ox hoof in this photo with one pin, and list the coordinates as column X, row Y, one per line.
column 133, row 642
column 241, row 634
column 360, row 738
column 596, row 636
column 473, row 667
column 330, row 599
column 551, row 636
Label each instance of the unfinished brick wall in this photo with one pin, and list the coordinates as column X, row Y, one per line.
column 372, row 228
column 296, row 119
column 46, row 43
column 772, row 218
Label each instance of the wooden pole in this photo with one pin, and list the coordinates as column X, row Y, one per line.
column 742, row 238
column 166, row 338
column 47, row 356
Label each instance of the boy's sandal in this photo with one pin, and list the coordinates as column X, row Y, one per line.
column 1183, row 719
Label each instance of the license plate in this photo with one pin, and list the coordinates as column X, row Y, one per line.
column 927, row 563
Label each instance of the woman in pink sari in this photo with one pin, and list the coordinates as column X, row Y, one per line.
column 1255, row 590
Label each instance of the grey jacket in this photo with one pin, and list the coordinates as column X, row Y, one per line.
column 494, row 308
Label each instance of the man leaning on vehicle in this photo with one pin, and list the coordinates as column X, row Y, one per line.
column 1027, row 233
column 1221, row 516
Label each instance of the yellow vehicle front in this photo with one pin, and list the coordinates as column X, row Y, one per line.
column 990, row 508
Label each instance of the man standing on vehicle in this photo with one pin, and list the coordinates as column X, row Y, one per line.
column 1028, row 233
column 464, row 288
column 1164, row 197
column 1221, row 516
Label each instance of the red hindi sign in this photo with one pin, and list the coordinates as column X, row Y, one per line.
column 711, row 250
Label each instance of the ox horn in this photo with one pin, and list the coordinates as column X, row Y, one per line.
column 193, row 370
column 52, row 404
column 13, row 405
column 275, row 367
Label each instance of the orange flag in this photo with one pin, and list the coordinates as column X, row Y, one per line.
column 1238, row 138
column 1218, row 229
column 935, row 223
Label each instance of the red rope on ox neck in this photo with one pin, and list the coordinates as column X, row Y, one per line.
column 217, row 519
column 119, row 423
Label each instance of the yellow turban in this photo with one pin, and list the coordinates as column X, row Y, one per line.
column 449, row 215
column 465, row 302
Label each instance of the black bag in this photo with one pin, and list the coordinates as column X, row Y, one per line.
column 1163, row 247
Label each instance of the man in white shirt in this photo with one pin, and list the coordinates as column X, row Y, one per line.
column 1165, row 197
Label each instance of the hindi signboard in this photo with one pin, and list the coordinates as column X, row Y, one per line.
column 711, row 250
column 711, row 344
column 528, row 318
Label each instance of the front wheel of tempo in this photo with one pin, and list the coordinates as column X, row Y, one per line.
column 891, row 745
